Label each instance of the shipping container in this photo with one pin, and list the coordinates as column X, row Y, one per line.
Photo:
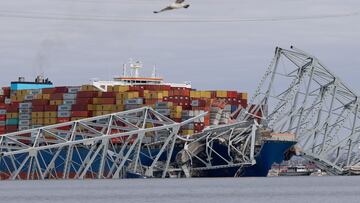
column 63, row 114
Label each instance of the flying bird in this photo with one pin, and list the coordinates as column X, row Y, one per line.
column 178, row 4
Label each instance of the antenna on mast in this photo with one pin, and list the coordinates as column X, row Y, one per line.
column 124, row 70
column 153, row 75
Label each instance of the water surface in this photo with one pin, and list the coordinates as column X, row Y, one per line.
column 274, row 189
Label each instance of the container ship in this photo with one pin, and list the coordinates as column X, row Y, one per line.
column 26, row 105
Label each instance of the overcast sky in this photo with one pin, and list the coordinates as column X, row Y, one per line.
column 72, row 41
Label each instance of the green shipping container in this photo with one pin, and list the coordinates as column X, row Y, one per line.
column 12, row 121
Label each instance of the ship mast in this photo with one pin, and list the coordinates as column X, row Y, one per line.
column 135, row 68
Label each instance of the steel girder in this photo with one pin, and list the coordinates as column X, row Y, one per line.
column 238, row 139
column 109, row 146
column 298, row 94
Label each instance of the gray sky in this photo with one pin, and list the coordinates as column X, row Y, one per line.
column 75, row 40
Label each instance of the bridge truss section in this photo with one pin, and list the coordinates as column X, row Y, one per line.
column 300, row 95
column 204, row 152
column 119, row 145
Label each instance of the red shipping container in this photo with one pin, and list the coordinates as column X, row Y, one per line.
column 81, row 114
column 232, row 94
column 2, row 98
column 87, row 94
column 165, row 87
column 14, row 104
column 2, row 106
column 6, row 91
column 50, row 108
column 2, row 117
column 48, row 90
column 40, row 102
column 37, row 108
column 64, row 128
column 63, row 120
column 84, row 101
column 77, row 107
column 243, row 103
column 12, row 109
column 61, row 90
column 57, row 96
column 11, row 128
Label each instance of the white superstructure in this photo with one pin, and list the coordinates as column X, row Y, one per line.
column 135, row 79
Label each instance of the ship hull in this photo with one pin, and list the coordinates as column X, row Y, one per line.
column 270, row 152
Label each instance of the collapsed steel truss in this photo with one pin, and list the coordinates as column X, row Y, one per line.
column 298, row 94
column 107, row 146
column 134, row 143
column 199, row 152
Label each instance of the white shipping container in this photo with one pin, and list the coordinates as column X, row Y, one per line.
column 134, row 101
column 24, row 122
column 195, row 103
column 29, row 97
column 73, row 89
column 23, row 128
column 37, row 91
column 69, row 96
column 70, row 102
column 24, row 111
column 2, row 111
column 26, row 105
column 64, row 114
column 24, row 116
column 160, row 105
column 64, row 107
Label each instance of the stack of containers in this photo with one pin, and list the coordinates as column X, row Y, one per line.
column 25, row 110
column 84, row 106
column 105, row 103
column 152, row 97
column 63, row 113
column 179, row 96
column 61, row 104
column 3, row 95
column 2, row 118
column 68, row 97
column 175, row 113
column 216, row 111
column 187, row 129
column 12, row 116
column 164, row 108
column 37, row 114
column 133, row 103
column 50, row 111
column 226, row 113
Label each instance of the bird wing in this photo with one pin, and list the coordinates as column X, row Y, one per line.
column 164, row 9
column 179, row 1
